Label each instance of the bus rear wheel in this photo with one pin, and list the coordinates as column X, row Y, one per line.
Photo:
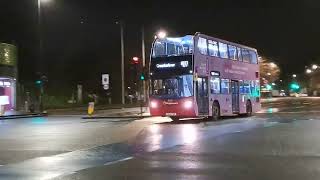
column 249, row 109
column 215, row 111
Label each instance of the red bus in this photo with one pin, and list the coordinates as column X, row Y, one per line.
column 202, row 76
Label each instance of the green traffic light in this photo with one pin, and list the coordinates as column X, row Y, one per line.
column 294, row 86
column 269, row 87
column 38, row 82
column 142, row 78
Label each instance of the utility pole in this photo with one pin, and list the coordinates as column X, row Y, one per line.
column 122, row 62
column 39, row 64
column 143, row 63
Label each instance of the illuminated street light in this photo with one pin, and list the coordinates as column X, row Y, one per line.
column 294, row 75
column 308, row 71
column 273, row 84
column 161, row 34
column 314, row 66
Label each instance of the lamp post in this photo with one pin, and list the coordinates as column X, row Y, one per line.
column 120, row 23
column 40, row 50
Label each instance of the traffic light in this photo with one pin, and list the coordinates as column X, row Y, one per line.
column 142, row 77
column 38, row 82
column 135, row 60
column 269, row 87
column 294, row 86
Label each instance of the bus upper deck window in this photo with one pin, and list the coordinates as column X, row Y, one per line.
column 202, row 46
column 223, row 50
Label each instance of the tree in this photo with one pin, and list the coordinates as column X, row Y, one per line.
column 269, row 71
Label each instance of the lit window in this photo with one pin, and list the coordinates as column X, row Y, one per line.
column 215, row 85
column 253, row 57
column 245, row 87
column 245, row 55
column 202, row 46
column 223, row 50
column 213, row 48
column 232, row 52
column 239, row 54
column 225, row 83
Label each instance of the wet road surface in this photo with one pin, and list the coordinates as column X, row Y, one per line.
column 280, row 144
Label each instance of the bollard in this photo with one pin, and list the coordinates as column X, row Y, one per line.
column 26, row 106
column 91, row 108
column 2, row 110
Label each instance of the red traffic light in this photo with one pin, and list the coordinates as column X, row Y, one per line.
column 135, row 60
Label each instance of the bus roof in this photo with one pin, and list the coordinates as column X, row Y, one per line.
column 224, row 41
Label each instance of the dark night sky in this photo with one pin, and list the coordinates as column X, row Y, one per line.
column 287, row 31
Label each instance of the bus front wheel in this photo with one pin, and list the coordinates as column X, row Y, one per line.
column 215, row 111
column 174, row 119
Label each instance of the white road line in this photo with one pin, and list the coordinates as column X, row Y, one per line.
column 121, row 160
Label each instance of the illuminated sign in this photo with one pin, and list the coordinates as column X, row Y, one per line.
column 7, row 83
column 215, row 73
column 184, row 63
column 166, row 65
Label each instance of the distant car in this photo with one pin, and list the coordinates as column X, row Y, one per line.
column 294, row 95
column 282, row 94
column 303, row 95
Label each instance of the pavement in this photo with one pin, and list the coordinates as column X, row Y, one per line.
column 280, row 142
column 20, row 114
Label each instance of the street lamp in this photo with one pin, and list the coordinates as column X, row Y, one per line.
column 121, row 24
column 314, row 67
column 161, row 34
column 308, row 71
column 294, row 75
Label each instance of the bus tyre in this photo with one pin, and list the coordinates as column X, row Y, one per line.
column 215, row 111
column 174, row 119
column 249, row 109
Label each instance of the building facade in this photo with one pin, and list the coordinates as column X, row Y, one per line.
column 8, row 76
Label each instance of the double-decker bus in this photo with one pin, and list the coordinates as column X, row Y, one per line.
column 202, row 76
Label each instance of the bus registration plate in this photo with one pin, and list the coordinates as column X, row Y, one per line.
column 171, row 114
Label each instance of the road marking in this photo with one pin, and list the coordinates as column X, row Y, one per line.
column 121, row 160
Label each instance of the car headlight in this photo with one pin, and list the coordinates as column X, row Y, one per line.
column 153, row 104
column 188, row 104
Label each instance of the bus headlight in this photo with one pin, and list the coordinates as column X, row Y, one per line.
column 188, row 104
column 153, row 104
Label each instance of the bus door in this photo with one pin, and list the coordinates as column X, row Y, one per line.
column 235, row 96
column 202, row 95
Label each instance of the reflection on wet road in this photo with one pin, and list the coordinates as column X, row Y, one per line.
column 180, row 148
column 153, row 138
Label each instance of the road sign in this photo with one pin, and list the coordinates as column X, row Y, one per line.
column 105, row 79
